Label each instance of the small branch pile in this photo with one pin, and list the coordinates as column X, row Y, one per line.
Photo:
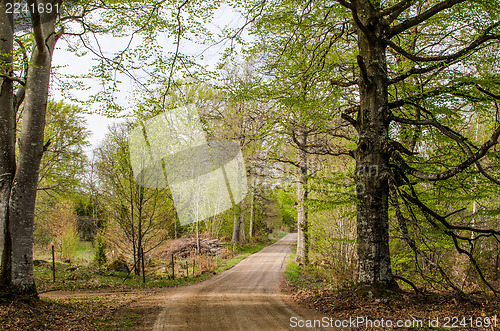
column 187, row 246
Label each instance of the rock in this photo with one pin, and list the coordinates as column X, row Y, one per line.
column 79, row 276
column 73, row 268
column 37, row 263
column 90, row 265
column 98, row 272
column 118, row 265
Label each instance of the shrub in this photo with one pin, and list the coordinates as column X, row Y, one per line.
column 69, row 243
column 100, row 253
column 63, row 229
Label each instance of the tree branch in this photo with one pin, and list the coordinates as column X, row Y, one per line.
column 345, row 3
column 409, row 23
column 396, row 8
column 472, row 46
column 349, row 119
column 14, row 79
column 418, row 71
column 454, row 236
column 400, row 162
column 409, row 241
column 431, row 93
column 37, row 26
column 485, row 174
column 445, row 130
column 442, row 219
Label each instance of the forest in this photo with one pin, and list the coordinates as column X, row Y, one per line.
column 369, row 128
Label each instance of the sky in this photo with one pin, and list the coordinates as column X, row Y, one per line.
column 66, row 62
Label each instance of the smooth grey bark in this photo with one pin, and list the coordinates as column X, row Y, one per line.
column 237, row 226
column 198, row 247
column 242, row 228
column 7, row 139
column 175, row 224
column 23, row 182
column 372, row 157
column 251, row 230
column 302, row 255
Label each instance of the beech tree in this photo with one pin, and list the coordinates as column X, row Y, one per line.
column 381, row 30
column 19, row 175
column 66, row 136
column 397, row 69
column 25, row 84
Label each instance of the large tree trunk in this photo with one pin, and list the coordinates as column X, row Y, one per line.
column 7, row 140
column 302, row 255
column 372, row 161
column 21, row 202
column 23, row 195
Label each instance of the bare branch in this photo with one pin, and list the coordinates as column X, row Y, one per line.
column 295, row 164
column 418, row 71
column 342, row 84
column 410, row 242
column 454, row 236
column 14, row 79
column 400, row 148
column 445, row 130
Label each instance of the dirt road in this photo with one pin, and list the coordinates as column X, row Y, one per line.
column 245, row 297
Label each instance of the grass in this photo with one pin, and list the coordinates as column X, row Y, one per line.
column 106, row 311
column 87, row 277
column 293, row 273
column 129, row 321
column 84, row 253
column 91, row 278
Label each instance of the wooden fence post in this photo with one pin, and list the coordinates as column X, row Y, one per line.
column 173, row 267
column 143, row 271
column 53, row 265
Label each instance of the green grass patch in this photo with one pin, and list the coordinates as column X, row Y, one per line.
column 293, row 272
column 302, row 277
column 93, row 278
column 130, row 321
column 84, row 253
